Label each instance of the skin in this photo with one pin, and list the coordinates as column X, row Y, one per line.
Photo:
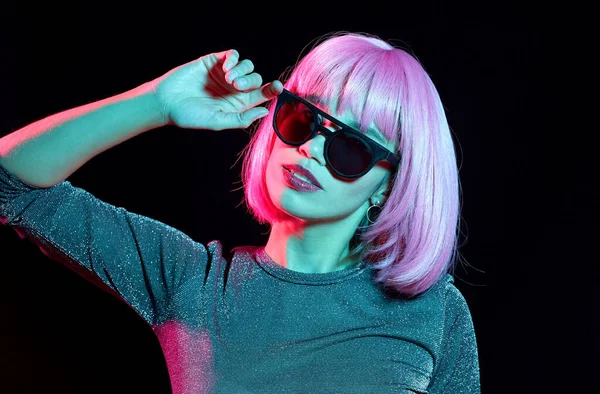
column 217, row 92
column 315, row 236
column 220, row 91
column 214, row 92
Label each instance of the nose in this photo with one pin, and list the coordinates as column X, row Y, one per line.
column 314, row 148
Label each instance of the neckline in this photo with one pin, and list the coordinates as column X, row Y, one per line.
column 315, row 279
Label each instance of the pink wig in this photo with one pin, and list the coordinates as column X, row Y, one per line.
column 413, row 241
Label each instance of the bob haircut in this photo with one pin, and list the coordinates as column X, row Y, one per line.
column 413, row 241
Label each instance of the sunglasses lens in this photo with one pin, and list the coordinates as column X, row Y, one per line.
column 349, row 155
column 295, row 122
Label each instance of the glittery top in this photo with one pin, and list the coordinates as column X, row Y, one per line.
column 240, row 323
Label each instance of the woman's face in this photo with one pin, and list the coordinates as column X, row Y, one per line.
column 338, row 197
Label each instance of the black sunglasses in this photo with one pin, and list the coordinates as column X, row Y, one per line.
column 348, row 152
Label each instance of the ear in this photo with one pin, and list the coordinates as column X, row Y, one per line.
column 382, row 192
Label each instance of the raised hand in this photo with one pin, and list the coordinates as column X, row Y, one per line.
column 215, row 92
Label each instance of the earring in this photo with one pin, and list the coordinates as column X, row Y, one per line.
column 378, row 209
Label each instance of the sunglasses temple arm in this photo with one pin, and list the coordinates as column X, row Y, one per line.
column 393, row 158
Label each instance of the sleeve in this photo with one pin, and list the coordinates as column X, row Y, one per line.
column 457, row 368
column 139, row 260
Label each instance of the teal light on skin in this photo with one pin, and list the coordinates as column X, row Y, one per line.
column 315, row 236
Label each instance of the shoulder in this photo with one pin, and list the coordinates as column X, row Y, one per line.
column 457, row 320
column 451, row 318
column 450, row 299
column 456, row 356
column 452, row 295
column 449, row 309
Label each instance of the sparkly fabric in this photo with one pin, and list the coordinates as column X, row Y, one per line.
column 240, row 323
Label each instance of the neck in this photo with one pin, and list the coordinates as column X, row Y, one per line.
column 312, row 247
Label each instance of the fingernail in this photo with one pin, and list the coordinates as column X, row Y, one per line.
column 241, row 82
column 232, row 76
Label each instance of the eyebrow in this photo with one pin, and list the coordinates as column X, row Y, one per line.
column 318, row 100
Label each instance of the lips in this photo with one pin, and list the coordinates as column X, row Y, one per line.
column 304, row 172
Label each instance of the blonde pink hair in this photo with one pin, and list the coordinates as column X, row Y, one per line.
column 413, row 241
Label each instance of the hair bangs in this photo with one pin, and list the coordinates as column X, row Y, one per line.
column 413, row 240
column 364, row 81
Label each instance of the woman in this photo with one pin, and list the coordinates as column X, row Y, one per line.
column 353, row 167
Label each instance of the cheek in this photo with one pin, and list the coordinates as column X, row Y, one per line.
column 275, row 158
column 272, row 165
column 352, row 193
column 369, row 183
column 274, row 174
column 358, row 191
column 277, row 153
column 278, row 145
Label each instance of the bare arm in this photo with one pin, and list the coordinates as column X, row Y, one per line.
column 206, row 93
column 48, row 151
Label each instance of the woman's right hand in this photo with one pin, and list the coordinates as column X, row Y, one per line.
column 214, row 92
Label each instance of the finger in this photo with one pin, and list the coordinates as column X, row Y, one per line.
column 265, row 93
column 242, row 68
column 236, row 120
column 253, row 114
column 231, row 59
column 248, row 82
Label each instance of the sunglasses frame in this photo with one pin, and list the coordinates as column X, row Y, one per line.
column 378, row 151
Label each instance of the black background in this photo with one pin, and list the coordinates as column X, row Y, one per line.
column 534, row 317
